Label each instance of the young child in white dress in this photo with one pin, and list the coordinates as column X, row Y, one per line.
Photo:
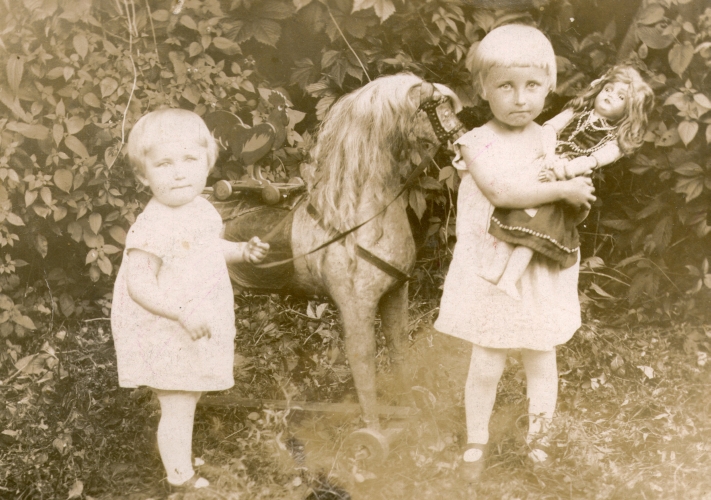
column 172, row 317
column 514, row 69
column 596, row 129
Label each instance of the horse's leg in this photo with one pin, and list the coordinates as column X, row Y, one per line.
column 358, row 327
column 394, row 320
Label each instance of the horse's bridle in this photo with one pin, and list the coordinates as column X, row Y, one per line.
column 440, row 112
column 447, row 128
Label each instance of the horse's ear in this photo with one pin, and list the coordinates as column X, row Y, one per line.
column 427, row 91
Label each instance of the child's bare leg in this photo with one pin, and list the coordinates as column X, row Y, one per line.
column 515, row 267
column 542, row 392
column 485, row 370
column 175, row 434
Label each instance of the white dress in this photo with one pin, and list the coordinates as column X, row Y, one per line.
column 473, row 309
column 157, row 352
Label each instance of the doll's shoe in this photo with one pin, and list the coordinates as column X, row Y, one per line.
column 473, row 461
column 198, row 462
column 196, row 482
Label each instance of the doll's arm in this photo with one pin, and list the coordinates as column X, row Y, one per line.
column 559, row 121
column 583, row 165
column 253, row 251
column 143, row 288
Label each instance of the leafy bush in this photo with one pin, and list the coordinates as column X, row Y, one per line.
column 78, row 74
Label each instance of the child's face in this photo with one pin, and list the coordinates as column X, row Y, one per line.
column 176, row 171
column 611, row 102
column 516, row 94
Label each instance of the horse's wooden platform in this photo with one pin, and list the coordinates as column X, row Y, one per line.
column 223, row 400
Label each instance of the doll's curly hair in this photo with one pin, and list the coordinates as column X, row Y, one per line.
column 640, row 102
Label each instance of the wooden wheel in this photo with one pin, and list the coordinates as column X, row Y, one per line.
column 367, row 444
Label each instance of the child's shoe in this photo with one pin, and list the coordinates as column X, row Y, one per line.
column 473, row 461
column 196, row 482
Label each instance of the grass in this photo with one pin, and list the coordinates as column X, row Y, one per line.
column 634, row 418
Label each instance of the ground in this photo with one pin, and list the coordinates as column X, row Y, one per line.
column 633, row 418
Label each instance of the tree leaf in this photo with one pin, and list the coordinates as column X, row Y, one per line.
column 651, row 14
column 39, row 132
column 188, row 22
column 192, row 94
column 66, row 304
column 226, row 45
column 14, row 68
column 653, row 37
column 46, row 195
column 417, row 202
column 91, row 256
column 14, row 219
column 108, row 86
column 76, row 146
column 118, row 233
column 299, row 4
column 41, row 245
column 74, row 124
column 160, row 15
column 95, row 222
column 680, row 57
column 6, row 302
column 81, row 44
column 687, row 131
column 105, row 265
column 91, row 99
column 76, row 490
column 63, row 179
column 24, row 321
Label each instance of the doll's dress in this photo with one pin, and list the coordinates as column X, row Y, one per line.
column 551, row 230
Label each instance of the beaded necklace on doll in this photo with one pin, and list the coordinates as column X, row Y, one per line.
column 588, row 120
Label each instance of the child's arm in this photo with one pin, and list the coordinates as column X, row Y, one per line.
column 143, row 288
column 253, row 251
column 510, row 191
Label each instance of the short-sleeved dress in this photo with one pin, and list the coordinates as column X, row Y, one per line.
column 552, row 231
column 474, row 309
column 158, row 352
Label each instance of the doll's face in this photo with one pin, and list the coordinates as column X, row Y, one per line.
column 611, row 102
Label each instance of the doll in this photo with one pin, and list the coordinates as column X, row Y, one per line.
column 596, row 129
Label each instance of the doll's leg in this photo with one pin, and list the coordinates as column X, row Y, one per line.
column 175, row 434
column 515, row 267
column 542, row 392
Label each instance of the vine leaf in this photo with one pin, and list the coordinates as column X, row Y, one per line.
column 680, row 57
column 15, row 67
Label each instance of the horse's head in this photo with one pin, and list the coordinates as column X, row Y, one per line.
column 441, row 106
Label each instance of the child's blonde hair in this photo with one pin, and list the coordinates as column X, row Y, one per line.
column 640, row 102
column 168, row 122
column 511, row 45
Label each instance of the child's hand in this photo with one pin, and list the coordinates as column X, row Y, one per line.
column 255, row 250
column 579, row 192
column 196, row 319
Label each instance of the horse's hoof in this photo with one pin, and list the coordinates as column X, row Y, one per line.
column 368, row 445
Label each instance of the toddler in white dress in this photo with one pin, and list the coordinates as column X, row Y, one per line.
column 172, row 316
column 499, row 162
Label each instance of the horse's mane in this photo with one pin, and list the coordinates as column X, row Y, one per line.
column 362, row 144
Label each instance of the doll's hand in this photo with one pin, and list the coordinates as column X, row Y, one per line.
column 196, row 318
column 582, row 165
column 255, row 250
column 547, row 174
